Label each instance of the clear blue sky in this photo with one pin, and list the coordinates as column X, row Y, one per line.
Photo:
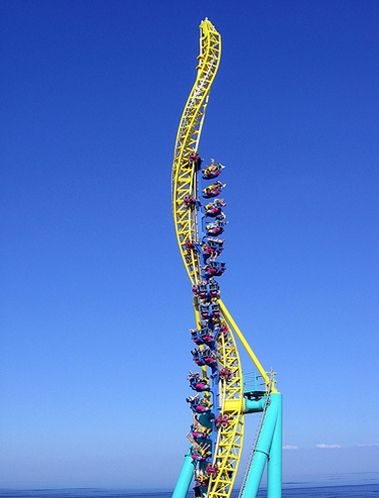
column 95, row 302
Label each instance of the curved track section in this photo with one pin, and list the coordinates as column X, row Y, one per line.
column 187, row 141
column 217, row 453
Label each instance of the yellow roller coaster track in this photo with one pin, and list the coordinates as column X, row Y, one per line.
column 229, row 443
column 187, row 141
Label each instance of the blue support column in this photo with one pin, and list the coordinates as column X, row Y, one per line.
column 274, row 469
column 262, row 450
column 185, row 478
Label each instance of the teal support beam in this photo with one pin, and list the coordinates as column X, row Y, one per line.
column 185, row 478
column 274, row 468
column 263, row 449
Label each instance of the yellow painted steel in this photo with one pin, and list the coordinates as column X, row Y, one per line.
column 270, row 383
column 230, row 438
column 187, row 141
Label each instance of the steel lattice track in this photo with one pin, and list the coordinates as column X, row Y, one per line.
column 230, row 438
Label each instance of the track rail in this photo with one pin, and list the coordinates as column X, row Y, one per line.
column 187, row 141
column 228, row 448
column 217, row 456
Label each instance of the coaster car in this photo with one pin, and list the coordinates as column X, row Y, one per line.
column 212, row 211
column 208, row 251
column 199, row 404
column 215, row 310
column 202, row 290
column 214, row 208
column 213, row 190
column 214, row 289
column 196, row 337
column 205, row 357
column 212, row 171
column 215, row 244
column 215, row 227
column 204, row 311
column 206, row 335
column 214, row 269
column 200, row 433
column 198, row 383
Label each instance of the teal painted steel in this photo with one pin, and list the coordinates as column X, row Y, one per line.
column 274, row 468
column 185, row 478
column 253, row 405
column 262, row 450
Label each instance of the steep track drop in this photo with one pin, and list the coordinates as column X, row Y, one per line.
column 220, row 403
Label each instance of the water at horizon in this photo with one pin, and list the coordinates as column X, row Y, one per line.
column 320, row 491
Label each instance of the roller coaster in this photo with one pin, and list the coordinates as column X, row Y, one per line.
column 222, row 393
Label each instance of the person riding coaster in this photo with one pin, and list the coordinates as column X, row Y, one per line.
column 215, row 308
column 214, row 208
column 212, row 211
column 202, row 479
column 189, row 201
column 214, row 288
column 221, row 217
column 208, row 252
column 198, row 383
column 211, row 470
column 215, row 227
column 221, row 421
column 215, row 204
column 205, row 357
column 214, row 269
column 195, row 159
column 203, row 335
column 197, row 456
column 211, row 248
column 207, row 335
column 212, row 171
column 204, row 311
column 199, row 404
column 202, row 289
column 213, row 190
column 216, row 243
column 195, row 336
column 225, row 374
column 188, row 245
column 198, row 432
column 201, row 423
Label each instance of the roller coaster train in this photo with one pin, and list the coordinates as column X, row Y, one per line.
column 222, row 394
